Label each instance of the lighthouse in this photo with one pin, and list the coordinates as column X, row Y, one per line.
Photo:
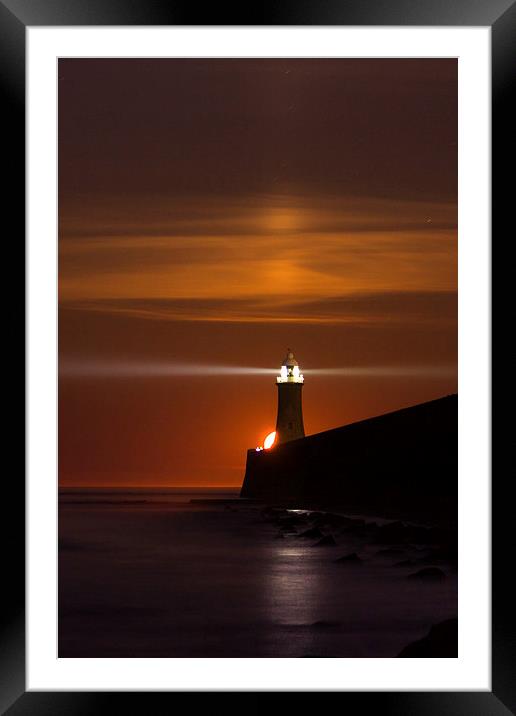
column 289, row 423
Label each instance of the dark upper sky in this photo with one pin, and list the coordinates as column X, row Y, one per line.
column 385, row 128
column 213, row 212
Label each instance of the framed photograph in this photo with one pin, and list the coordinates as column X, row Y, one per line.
column 258, row 269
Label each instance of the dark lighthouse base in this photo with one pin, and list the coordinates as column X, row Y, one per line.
column 397, row 464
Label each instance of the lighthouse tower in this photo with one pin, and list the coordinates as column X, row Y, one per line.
column 289, row 423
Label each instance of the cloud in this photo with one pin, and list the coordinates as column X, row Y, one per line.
column 115, row 217
column 257, row 248
column 357, row 308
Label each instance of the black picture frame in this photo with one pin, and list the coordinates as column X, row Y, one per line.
column 15, row 17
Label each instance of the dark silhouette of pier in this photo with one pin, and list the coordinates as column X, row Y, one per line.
column 402, row 463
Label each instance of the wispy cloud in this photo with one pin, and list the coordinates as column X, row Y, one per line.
column 117, row 217
column 359, row 308
column 262, row 249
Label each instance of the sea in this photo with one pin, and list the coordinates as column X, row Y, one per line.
column 199, row 573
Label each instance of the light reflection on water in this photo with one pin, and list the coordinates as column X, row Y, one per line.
column 294, row 585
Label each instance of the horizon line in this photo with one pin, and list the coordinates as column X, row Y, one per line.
column 209, row 487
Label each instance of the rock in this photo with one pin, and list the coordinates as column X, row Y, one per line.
column 390, row 552
column 359, row 528
column 428, row 573
column 440, row 642
column 288, row 530
column 292, row 520
column 419, row 535
column 333, row 520
column 445, row 554
column 392, row 533
column 316, row 518
column 323, row 624
column 312, row 533
column 351, row 558
column 326, row 541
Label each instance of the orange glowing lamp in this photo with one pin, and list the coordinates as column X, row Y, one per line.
column 269, row 440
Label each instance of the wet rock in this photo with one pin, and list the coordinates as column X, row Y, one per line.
column 359, row 529
column 446, row 554
column 316, row 517
column 351, row 558
column 288, row 530
column 392, row 533
column 312, row 533
column 428, row 573
column 323, row 625
column 292, row 520
column 425, row 535
column 390, row 552
column 326, row 541
column 331, row 519
column 440, row 642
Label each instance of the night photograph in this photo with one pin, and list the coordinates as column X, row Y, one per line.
column 257, row 357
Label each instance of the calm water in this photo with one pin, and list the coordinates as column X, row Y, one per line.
column 149, row 573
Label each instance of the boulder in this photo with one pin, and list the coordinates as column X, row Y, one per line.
column 440, row 642
column 311, row 533
column 326, row 541
column 351, row 558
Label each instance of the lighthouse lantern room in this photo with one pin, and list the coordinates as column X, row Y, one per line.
column 289, row 422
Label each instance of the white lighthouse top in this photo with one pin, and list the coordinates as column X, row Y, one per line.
column 289, row 372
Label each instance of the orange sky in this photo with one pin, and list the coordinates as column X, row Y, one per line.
column 214, row 212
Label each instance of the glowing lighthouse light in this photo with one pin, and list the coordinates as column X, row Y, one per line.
column 269, row 440
column 289, row 371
